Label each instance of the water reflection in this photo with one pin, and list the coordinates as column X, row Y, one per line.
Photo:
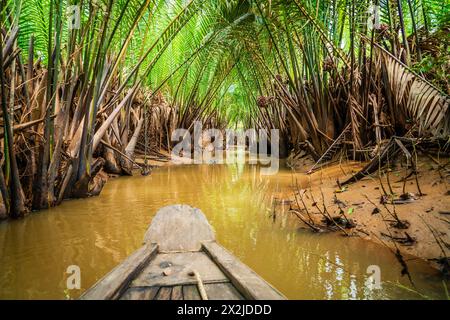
column 96, row 234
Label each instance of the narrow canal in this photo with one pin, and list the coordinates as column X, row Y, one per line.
column 98, row 233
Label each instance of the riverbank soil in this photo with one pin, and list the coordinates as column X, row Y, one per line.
column 383, row 208
column 155, row 159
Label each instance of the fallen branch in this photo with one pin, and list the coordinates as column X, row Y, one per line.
column 23, row 126
column 120, row 152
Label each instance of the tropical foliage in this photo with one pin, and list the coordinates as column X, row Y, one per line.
column 78, row 100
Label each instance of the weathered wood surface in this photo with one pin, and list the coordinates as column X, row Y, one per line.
column 177, row 293
column 114, row 283
column 174, row 269
column 214, row 291
column 179, row 257
column 222, row 291
column 179, row 228
column 140, row 293
column 248, row 283
column 191, row 293
column 164, row 293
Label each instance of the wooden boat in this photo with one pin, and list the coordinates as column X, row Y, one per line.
column 180, row 260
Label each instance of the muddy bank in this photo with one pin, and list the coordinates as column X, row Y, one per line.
column 415, row 220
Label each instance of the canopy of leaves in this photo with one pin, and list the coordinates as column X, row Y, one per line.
column 223, row 55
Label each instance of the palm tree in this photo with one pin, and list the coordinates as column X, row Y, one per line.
column 75, row 101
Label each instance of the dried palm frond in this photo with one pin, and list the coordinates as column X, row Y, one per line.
column 426, row 106
column 356, row 118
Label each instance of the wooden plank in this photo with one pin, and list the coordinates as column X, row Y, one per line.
column 177, row 293
column 140, row 293
column 222, row 291
column 115, row 282
column 164, row 293
column 248, row 283
column 179, row 228
column 190, row 292
column 170, row 269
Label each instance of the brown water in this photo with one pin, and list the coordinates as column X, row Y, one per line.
column 98, row 233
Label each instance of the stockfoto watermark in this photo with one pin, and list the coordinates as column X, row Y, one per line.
column 74, row 17
column 373, row 281
column 207, row 146
column 74, row 279
column 373, row 21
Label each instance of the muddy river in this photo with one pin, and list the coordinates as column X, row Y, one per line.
column 98, row 233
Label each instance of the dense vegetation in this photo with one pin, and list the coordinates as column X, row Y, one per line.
column 76, row 103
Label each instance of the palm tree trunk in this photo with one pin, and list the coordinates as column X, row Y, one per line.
column 17, row 208
column 416, row 36
column 403, row 31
